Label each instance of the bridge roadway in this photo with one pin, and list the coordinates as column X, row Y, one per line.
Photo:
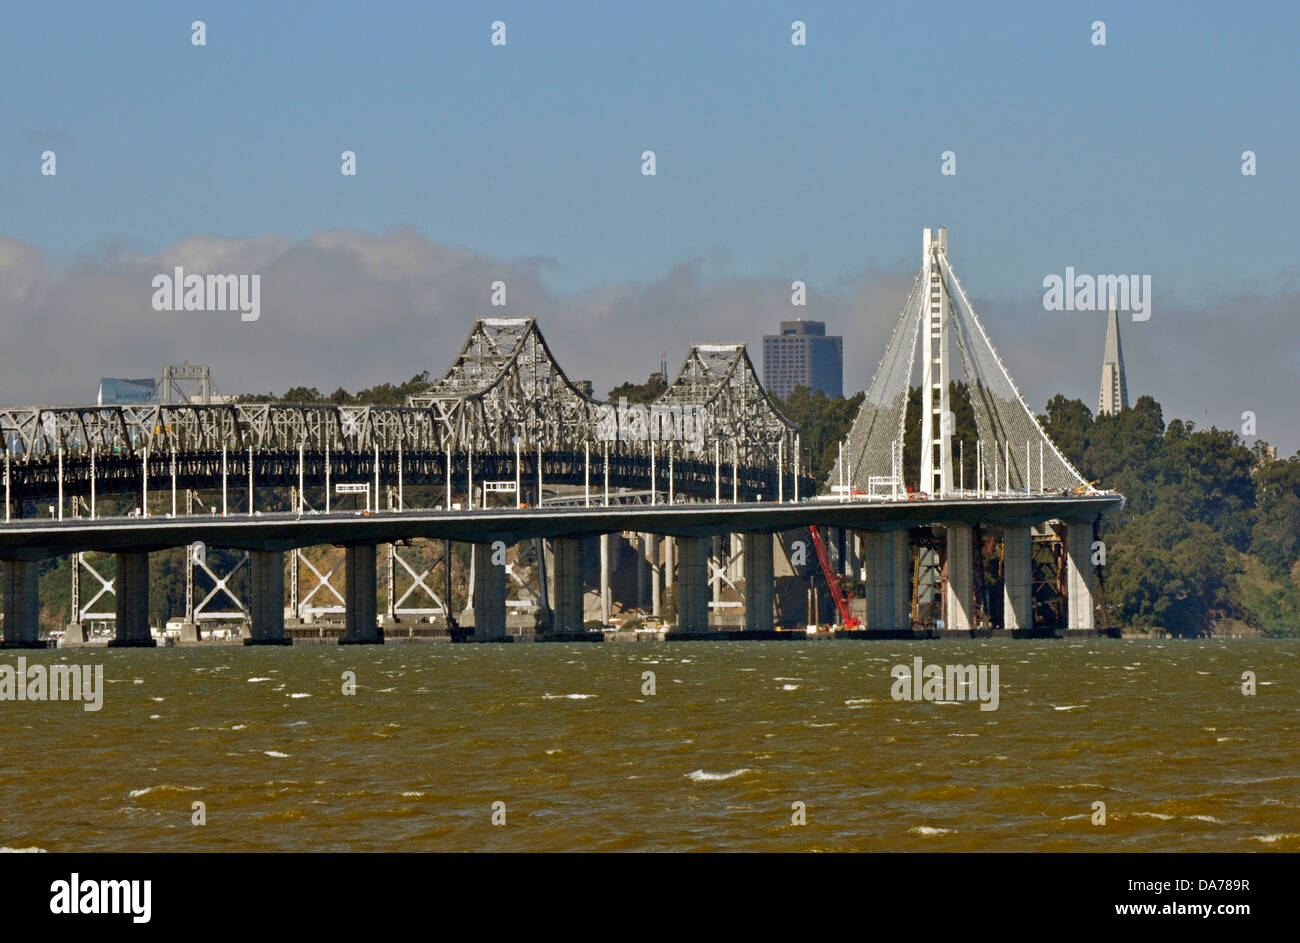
column 37, row 538
column 882, row 526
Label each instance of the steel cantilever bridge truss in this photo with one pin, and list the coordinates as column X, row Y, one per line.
column 721, row 379
column 503, row 410
column 505, row 386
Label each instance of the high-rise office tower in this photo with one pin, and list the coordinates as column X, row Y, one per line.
column 803, row 355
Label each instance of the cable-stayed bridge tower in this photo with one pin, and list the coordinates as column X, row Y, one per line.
column 936, row 412
column 1012, row 452
column 998, row 495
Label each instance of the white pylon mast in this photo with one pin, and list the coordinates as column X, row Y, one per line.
column 936, row 435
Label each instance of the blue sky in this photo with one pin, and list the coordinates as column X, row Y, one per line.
column 774, row 162
column 771, row 158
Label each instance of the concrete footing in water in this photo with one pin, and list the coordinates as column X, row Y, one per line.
column 132, row 594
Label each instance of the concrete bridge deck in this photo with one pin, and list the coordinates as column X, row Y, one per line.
column 37, row 538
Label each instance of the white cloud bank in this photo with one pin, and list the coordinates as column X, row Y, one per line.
column 351, row 309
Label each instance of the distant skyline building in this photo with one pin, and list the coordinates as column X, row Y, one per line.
column 120, row 391
column 803, row 355
column 1114, row 388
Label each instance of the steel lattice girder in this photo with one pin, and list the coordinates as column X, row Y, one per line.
column 506, row 387
column 721, row 378
column 42, row 431
column 504, row 392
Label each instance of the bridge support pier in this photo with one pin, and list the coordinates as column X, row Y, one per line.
column 604, row 580
column 656, row 580
column 713, row 573
column 22, row 604
column 1017, row 578
column 489, row 611
column 693, row 586
column 359, row 600
column 902, row 580
column 567, row 570
column 642, row 548
column 960, row 583
column 132, row 592
column 760, row 583
column 266, row 607
column 888, row 586
column 1079, row 574
column 852, row 561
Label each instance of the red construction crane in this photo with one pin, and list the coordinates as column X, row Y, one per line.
column 833, row 581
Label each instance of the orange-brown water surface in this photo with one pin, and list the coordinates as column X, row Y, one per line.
column 734, row 735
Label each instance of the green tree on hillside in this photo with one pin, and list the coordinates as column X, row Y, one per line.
column 822, row 423
column 1164, row 571
column 383, row 394
column 1275, row 536
column 646, row 392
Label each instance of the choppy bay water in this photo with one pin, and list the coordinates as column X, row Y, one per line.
column 734, row 735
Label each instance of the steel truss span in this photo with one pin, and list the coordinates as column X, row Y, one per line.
column 502, row 408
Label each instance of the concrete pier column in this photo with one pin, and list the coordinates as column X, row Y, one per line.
column 669, row 544
column 131, row 589
column 1017, row 578
column 1079, row 574
column 713, row 572
column 642, row 568
column 887, row 609
column 760, row 583
column 546, row 602
column 960, row 585
column 605, row 601
column 360, row 627
column 22, row 604
column 656, row 573
column 853, row 555
column 266, row 603
column 489, row 612
column 902, row 580
column 693, row 585
column 567, row 570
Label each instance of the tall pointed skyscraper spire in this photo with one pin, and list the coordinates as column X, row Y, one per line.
column 1114, row 390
